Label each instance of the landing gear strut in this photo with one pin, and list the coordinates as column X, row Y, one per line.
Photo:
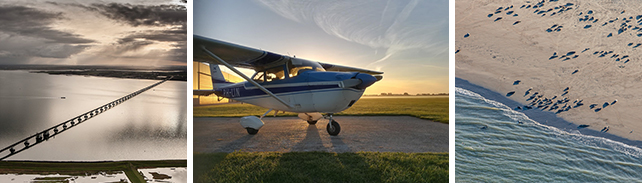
column 333, row 127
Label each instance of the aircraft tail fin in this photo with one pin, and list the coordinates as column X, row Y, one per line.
column 218, row 80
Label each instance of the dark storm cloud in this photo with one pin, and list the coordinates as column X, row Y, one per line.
column 25, row 21
column 8, row 60
column 137, row 15
column 176, row 37
column 22, row 46
column 161, row 15
column 26, row 33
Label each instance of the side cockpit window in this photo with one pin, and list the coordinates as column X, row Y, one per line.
column 293, row 68
column 297, row 66
column 276, row 73
column 271, row 74
column 297, row 70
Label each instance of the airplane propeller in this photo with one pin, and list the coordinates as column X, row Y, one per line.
column 366, row 80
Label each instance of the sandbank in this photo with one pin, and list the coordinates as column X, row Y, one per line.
column 599, row 63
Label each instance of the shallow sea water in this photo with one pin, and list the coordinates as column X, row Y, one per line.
column 63, row 178
column 497, row 144
column 152, row 125
column 178, row 175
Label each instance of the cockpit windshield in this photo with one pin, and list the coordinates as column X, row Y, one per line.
column 258, row 76
column 296, row 66
column 271, row 74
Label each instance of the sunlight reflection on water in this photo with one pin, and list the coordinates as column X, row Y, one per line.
column 151, row 125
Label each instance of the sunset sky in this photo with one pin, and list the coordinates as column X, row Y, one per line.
column 406, row 39
column 93, row 32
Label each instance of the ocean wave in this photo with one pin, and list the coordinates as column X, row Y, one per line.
column 520, row 117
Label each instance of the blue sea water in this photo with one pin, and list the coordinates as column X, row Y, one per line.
column 497, row 144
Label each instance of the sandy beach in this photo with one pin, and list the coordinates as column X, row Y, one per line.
column 577, row 60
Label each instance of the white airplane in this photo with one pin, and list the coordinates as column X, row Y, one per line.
column 283, row 83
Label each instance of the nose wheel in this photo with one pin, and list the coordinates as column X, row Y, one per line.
column 252, row 131
column 333, row 127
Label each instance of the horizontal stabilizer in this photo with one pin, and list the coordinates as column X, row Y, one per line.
column 203, row 92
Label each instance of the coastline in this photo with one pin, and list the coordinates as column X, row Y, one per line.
column 542, row 117
column 518, row 57
column 177, row 73
column 153, row 75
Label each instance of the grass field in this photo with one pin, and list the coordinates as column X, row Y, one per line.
column 430, row 108
column 321, row 167
column 81, row 168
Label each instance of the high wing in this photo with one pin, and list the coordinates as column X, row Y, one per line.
column 235, row 55
column 333, row 67
column 250, row 58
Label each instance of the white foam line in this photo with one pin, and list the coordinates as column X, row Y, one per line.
column 516, row 115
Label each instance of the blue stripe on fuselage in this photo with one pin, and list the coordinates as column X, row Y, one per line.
column 304, row 82
column 235, row 92
column 293, row 93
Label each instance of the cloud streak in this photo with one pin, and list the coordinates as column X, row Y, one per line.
column 396, row 26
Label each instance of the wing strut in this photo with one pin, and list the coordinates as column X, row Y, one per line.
column 245, row 77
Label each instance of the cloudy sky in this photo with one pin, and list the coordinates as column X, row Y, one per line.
column 406, row 39
column 93, row 32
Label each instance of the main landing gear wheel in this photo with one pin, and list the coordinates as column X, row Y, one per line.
column 333, row 128
column 312, row 122
column 252, row 131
